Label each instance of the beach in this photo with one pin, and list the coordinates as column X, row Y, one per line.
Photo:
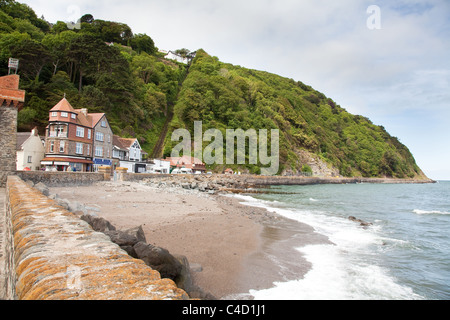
column 232, row 248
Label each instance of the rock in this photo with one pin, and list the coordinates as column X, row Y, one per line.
column 361, row 222
column 158, row 259
column 138, row 232
column 42, row 188
column 203, row 186
column 121, row 238
column 97, row 223
column 185, row 185
column 130, row 251
column 183, row 279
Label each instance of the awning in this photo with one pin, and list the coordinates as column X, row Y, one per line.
column 60, row 161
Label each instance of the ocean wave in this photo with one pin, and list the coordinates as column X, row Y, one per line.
column 418, row 211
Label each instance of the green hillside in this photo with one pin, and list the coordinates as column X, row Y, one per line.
column 105, row 67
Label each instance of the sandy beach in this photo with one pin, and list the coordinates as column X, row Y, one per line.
column 234, row 248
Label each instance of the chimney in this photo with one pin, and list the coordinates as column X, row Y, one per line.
column 84, row 111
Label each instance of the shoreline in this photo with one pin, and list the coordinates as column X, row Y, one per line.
column 232, row 248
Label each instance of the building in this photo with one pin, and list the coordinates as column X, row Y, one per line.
column 158, row 166
column 173, row 56
column 68, row 139
column 103, row 141
column 196, row 165
column 127, row 153
column 11, row 100
column 30, row 151
column 77, row 140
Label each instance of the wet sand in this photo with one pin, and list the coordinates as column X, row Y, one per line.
column 238, row 247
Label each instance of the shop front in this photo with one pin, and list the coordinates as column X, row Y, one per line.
column 67, row 164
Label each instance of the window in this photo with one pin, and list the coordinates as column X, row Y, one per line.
column 99, row 136
column 103, row 123
column 29, row 159
column 64, row 114
column 80, row 132
column 52, row 146
column 88, row 152
column 74, row 116
column 89, row 133
column 109, row 138
column 54, row 114
column 62, row 144
column 98, row 151
column 79, row 148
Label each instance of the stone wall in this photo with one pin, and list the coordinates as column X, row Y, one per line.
column 8, row 133
column 56, row 256
column 61, row 179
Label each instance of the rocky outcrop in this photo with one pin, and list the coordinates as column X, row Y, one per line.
column 362, row 223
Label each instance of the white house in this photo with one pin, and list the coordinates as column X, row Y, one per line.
column 127, row 153
column 186, row 60
column 159, row 166
column 30, row 151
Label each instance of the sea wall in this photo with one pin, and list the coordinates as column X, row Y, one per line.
column 57, row 179
column 52, row 254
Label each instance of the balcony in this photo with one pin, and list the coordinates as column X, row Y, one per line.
column 55, row 134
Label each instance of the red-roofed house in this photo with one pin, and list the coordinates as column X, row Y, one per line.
column 187, row 162
column 77, row 140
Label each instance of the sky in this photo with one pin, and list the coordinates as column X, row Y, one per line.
column 386, row 60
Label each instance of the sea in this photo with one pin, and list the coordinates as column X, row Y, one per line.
column 403, row 255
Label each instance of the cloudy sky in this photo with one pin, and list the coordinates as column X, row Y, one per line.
column 386, row 60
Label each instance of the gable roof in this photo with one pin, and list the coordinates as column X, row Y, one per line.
column 21, row 138
column 96, row 117
column 184, row 160
column 123, row 143
column 85, row 119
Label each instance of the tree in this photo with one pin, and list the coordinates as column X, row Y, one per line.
column 33, row 57
column 142, row 43
column 87, row 18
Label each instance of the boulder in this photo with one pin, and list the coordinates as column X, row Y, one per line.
column 158, row 259
column 183, row 279
column 138, row 232
column 121, row 238
column 97, row 223
column 361, row 222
